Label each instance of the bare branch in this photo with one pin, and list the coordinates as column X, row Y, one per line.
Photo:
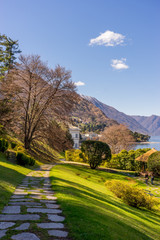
column 39, row 95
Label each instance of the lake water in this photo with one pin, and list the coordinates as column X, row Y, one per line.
column 154, row 142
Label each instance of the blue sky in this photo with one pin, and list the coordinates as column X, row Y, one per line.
column 111, row 46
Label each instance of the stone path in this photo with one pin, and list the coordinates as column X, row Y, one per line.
column 32, row 213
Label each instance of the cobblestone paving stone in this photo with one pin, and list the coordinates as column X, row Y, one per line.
column 23, row 226
column 25, row 236
column 11, row 209
column 57, row 233
column 2, row 233
column 25, row 203
column 32, row 212
column 4, row 225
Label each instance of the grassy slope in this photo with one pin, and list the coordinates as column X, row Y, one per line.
column 10, row 176
column 92, row 212
column 44, row 152
column 39, row 150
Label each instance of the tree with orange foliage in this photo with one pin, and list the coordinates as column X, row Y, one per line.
column 118, row 137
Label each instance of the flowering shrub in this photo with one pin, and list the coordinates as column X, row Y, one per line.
column 73, row 155
column 131, row 195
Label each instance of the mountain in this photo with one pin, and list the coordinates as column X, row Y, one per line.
column 88, row 113
column 152, row 123
column 120, row 117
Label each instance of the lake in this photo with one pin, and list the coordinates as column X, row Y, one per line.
column 154, row 142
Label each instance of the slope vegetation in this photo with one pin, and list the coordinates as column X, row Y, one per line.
column 92, row 212
column 89, row 113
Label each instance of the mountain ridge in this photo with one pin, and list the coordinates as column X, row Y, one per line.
column 152, row 123
column 118, row 116
column 89, row 113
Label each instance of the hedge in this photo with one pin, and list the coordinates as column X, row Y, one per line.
column 3, row 145
column 73, row 155
column 23, row 159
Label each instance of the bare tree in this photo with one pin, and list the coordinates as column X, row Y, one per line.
column 39, row 95
column 118, row 137
column 58, row 136
column 6, row 110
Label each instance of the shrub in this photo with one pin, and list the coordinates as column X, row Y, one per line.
column 11, row 155
column 126, row 160
column 114, row 162
column 32, row 162
column 3, row 145
column 95, row 152
column 117, row 187
column 21, row 159
column 24, row 159
column 131, row 195
column 154, row 163
column 69, row 155
column 73, row 155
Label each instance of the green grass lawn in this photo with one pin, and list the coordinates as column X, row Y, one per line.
column 153, row 189
column 10, row 176
column 93, row 213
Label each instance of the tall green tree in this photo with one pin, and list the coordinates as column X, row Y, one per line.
column 95, row 152
column 8, row 49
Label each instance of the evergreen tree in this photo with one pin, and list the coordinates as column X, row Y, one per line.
column 8, row 49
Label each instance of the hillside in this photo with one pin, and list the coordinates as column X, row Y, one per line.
column 120, row 117
column 40, row 150
column 87, row 112
column 151, row 123
column 93, row 213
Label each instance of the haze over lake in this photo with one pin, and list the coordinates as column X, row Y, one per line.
column 154, row 142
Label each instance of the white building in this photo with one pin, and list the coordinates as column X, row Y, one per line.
column 75, row 132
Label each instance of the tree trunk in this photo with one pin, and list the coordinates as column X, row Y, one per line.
column 92, row 166
column 27, row 143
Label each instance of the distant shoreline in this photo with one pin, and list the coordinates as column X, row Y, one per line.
column 145, row 142
column 154, row 142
